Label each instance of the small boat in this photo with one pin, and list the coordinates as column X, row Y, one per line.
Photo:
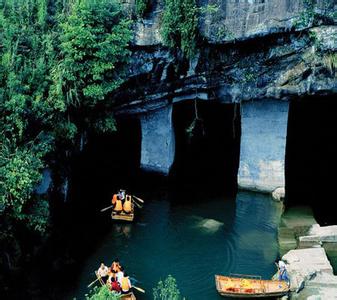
column 249, row 287
column 122, row 216
column 129, row 296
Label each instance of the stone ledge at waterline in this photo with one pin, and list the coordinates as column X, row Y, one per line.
column 317, row 233
column 311, row 274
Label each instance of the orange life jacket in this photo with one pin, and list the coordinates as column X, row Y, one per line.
column 119, row 205
column 127, row 204
column 125, row 284
column 114, row 199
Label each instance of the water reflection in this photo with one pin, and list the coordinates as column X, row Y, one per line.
column 191, row 239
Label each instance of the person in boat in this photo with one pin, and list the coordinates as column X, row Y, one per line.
column 127, row 206
column 282, row 271
column 103, row 272
column 114, row 285
column 120, row 275
column 118, row 208
column 121, row 194
column 114, row 199
column 115, row 266
column 125, row 284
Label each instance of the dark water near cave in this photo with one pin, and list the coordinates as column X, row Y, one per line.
column 190, row 238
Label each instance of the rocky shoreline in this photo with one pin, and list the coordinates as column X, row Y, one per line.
column 305, row 247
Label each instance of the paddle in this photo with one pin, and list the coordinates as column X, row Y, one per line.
column 139, row 289
column 104, row 209
column 137, row 198
column 99, row 278
column 137, row 204
column 90, row 284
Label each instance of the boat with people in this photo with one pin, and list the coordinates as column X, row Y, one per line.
column 116, row 280
column 123, row 206
column 247, row 286
column 122, row 216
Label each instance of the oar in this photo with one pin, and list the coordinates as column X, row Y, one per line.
column 137, row 204
column 138, row 289
column 137, row 198
column 99, row 278
column 104, row 209
column 90, row 284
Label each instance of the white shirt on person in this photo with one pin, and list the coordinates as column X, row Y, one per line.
column 119, row 276
column 103, row 271
column 281, row 265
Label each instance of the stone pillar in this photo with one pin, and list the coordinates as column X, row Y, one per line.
column 158, row 144
column 263, row 142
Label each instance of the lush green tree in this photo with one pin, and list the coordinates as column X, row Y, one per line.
column 59, row 62
column 102, row 293
column 26, row 58
column 179, row 25
column 167, row 290
column 93, row 49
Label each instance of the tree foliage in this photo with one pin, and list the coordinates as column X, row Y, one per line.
column 167, row 290
column 179, row 25
column 59, row 61
column 102, row 293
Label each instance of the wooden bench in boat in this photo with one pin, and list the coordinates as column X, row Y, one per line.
column 248, row 287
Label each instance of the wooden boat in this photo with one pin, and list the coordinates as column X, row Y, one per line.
column 123, row 216
column 129, row 296
column 249, row 287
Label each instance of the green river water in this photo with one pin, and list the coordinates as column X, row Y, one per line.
column 191, row 239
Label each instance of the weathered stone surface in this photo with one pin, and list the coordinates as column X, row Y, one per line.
column 295, row 222
column 236, row 19
column 326, row 37
column 263, row 140
column 147, row 30
column 284, row 68
column 304, row 264
column 246, row 19
column 45, row 183
column 279, row 193
column 322, row 286
column 158, row 144
column 327, row 234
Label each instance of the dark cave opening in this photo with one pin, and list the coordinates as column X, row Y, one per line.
column 207, row 150
column 311, row 156
column 108, row 162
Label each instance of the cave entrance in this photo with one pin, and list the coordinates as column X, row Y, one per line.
column 208, row 149
column 311, row 161
column 108, row 162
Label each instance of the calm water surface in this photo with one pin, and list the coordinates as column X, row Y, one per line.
column 191, row 239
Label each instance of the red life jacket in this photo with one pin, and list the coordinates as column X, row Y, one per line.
column 115, row 286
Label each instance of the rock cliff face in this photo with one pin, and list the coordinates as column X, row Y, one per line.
column 252, row 49
column 269, row 52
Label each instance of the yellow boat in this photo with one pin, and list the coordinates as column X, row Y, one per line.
column 122, row 216
column 248, row 287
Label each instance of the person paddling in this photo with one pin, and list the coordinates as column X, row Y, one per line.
column 103, row 272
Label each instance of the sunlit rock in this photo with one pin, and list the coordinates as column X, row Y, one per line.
column 279, row 193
